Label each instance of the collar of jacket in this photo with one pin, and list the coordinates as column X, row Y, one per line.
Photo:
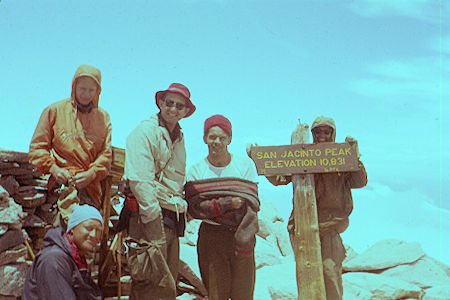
column 175, row 134
column 79, row 260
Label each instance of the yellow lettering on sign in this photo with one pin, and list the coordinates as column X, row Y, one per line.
column 341, row 152
column 268, row 164
column 259, row 155
column 348, row 151
column 270, row 154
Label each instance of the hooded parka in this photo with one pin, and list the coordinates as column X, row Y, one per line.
column 54, row 274
column 74, row 140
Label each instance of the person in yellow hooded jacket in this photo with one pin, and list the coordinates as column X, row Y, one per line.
column 72, row 140
column 334, row 206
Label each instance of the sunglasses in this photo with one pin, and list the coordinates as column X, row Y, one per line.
column 171, row 103
column 323, row 131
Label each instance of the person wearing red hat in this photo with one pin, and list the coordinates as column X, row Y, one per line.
column 222, row 191
column 155, row 164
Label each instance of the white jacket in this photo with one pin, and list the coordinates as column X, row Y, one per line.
column 155, row 168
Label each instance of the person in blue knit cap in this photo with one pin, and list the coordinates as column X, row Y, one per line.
column 60, row 270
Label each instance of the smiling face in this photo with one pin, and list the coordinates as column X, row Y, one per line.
column 217, row 141
column 86, row 235
column 322, row 134
column 173, row 108
column 85, row 90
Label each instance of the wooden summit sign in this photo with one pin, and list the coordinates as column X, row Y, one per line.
column 305, row 158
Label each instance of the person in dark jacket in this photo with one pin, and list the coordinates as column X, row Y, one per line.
column 334, row 206
column 59, row 271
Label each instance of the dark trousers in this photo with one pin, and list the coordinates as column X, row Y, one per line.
column 224, row 274
column 333, row 254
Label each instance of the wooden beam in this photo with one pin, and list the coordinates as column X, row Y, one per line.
column 308, row 257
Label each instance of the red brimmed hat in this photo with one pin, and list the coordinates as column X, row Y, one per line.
column 179, row 89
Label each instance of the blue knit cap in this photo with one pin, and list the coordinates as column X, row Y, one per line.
column 82, row 213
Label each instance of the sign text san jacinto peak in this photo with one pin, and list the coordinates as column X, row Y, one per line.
column 305, row 158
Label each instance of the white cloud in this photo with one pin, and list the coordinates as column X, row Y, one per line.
column 418, row 78
column 441, row 44
column 428, row 10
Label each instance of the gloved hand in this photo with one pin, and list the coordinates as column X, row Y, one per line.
column 353, row 141
column 249, row 147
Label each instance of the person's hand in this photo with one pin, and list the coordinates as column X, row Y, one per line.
column 353, row 141
column 62, row 176
column 249, row 147
column 82, row 179
column 237, row 202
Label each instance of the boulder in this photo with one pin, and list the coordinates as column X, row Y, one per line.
column 440, row 292
column 362, row 286
column 277, row 282
column 385, row 254
column 426, row 272
column 266, row 254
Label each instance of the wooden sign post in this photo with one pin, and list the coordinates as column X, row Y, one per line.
column 301, row 160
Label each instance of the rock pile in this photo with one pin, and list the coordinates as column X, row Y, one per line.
column 13, row 252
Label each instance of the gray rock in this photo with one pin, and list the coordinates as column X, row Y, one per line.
column 359, row 285
column 13, row 255
column 426, row 272
column 277, row 282
column 12, row 278
column 385, row 254
column 266, row 254
column 12, row 213
column 441, row 292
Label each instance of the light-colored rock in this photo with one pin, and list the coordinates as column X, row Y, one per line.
column 276, row 282
column 350, row 253
column 426, row 272
column 189, row 255
column 191, row 233
column 12, row 213
column 440, row 292
column 12, row 278
column 13, row 255
column 282, row 238
column 3, row 194
column 362, row 286
column 385, row 254
column 266, row 254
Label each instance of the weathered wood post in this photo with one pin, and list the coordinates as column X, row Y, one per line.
column 306, row 242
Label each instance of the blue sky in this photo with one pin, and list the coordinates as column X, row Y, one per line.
column 380, row 68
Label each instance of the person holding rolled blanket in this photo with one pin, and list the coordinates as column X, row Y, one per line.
column 59, row 271
column 222, row 191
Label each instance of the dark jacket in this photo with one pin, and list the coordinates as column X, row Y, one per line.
column 54, row 274
column 202, row 196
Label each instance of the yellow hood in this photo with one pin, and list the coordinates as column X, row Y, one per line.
column 92, row 72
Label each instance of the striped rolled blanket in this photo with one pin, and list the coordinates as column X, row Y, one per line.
column 217, row 192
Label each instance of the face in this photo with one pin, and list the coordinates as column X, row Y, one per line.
column 86, row 235
column 173, row 108
column 85, row 90
column 217, row 141
column 322, row 134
